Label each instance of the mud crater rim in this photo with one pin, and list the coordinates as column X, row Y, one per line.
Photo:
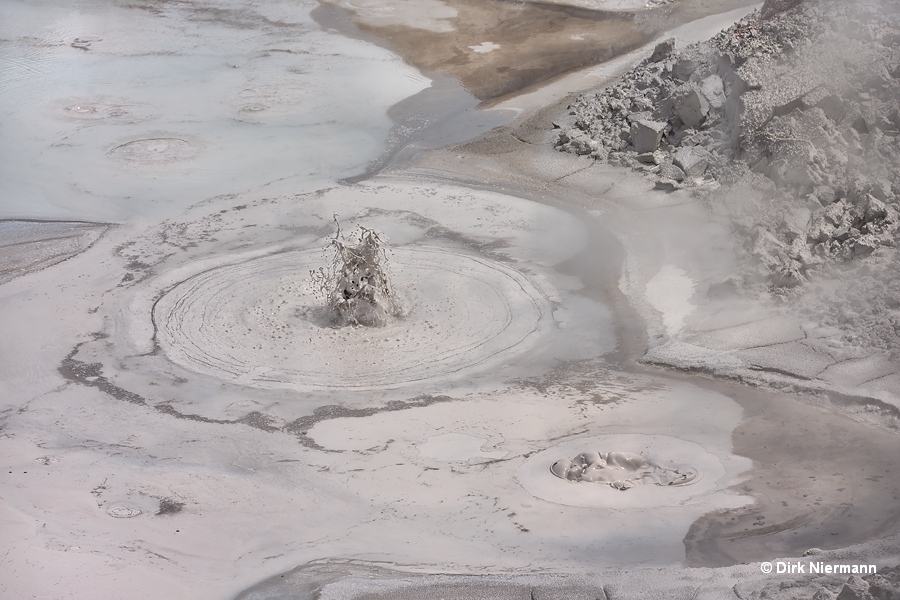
column 155, row 150
column 253, row 322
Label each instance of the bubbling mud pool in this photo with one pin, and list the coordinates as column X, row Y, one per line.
column 262, row 322
column 622, row 470
column 689, row 472
column 356, row 286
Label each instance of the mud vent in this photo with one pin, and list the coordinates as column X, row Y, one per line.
column 355, row 286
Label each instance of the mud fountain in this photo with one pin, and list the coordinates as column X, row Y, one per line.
column 373, row 318
column 355, row 287
column 433, row 314
column 357, row 292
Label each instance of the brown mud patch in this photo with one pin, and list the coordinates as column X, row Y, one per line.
column 500, row 47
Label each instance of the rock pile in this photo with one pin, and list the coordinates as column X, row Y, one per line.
column 800, row 102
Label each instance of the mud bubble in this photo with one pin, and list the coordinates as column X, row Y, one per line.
column 622, row 470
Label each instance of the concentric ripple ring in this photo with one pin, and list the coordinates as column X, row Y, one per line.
column 261, row 323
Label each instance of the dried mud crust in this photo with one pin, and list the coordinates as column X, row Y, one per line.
column 262, row 323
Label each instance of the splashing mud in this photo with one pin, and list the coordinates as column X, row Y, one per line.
column 356, row 285
column 622, row 470
column 257, row 322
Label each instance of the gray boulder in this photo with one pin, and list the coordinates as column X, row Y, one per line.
column 652, row 158
column 582, row 145
column 874, row 209
column 662, row 50
column 670, row 172
column 865, row 245
column 692, row 107
column 684, row 67
column 646, row 135
column 855, row 589
column 693, row 160
column 824, row 594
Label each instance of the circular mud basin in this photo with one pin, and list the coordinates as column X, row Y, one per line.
column 122, row 510
column 261, row 322
column 622, row 470
column 644, row 471
column 155, row 150
column 94, row 111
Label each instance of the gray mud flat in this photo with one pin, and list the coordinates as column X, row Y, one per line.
column 802, row 499
column 177, row 419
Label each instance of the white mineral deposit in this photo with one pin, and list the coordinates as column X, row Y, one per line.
column 444, row 299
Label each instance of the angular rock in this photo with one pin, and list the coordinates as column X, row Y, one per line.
column 836, row 212
column 855, row 589
column 881, row 189
column 684, row 68
column 865, row 245
column 787, row 273
column 894, row 117
column 874, row 209
column 882, row 588
column 824, row 594
column 581, row 146
column 639, row 116
column 662, row 50
column 651, row 158
column 692, row 108
column 794, row 222
column 693, row 160
column 667, row 185
column 820, row 231
column 670, row 172
column 861, row 124
column 646, row 135
column 824, row 195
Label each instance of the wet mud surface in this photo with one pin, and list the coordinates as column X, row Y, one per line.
column 820, row 479
column 376, row 476
column 28, row 246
